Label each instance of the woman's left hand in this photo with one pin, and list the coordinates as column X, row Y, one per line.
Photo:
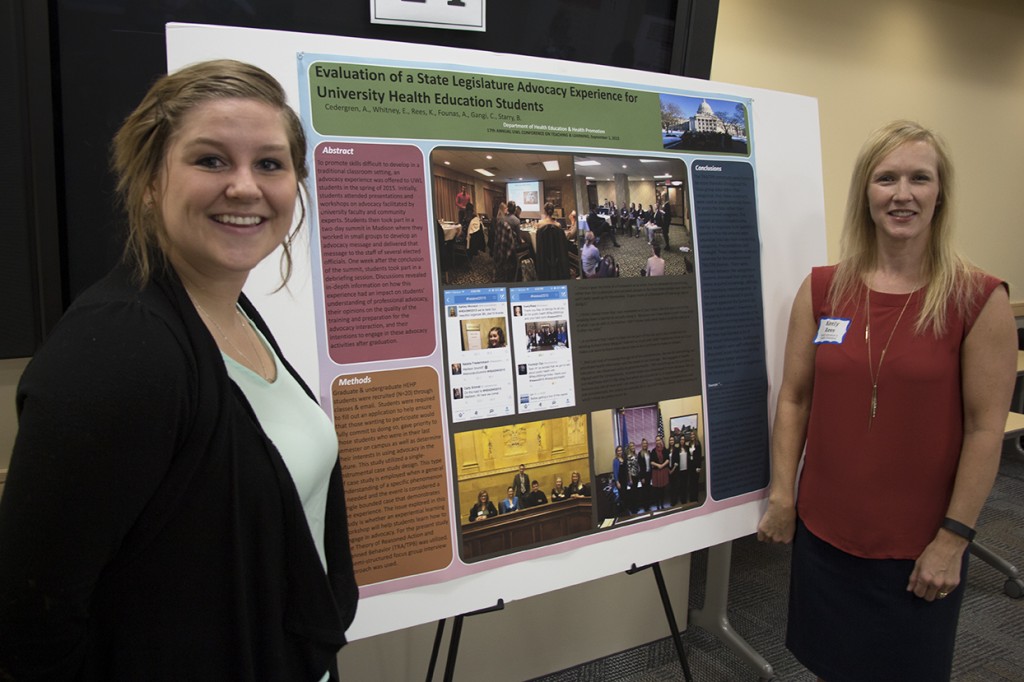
column 987, row 361
column 937, row 571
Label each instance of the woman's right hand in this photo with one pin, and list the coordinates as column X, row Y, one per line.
column 778, row 523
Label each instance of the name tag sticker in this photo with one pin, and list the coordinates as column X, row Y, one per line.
column 832, row 330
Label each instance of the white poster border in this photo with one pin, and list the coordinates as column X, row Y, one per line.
column 791, row 221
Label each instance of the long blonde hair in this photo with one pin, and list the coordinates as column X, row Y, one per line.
column 949, row 275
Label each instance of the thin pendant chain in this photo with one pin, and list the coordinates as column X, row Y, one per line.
column 247, row 330
column 873, row 372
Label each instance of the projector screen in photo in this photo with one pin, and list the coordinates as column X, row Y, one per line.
column 528, row 194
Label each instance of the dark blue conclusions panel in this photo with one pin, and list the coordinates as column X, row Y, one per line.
column 728, row 248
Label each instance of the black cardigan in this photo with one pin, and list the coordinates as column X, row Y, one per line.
column 149, row 529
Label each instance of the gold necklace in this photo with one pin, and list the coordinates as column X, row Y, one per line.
column 248, row 361
column 875, row 373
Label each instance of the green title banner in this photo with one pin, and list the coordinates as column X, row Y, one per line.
column 378, row 101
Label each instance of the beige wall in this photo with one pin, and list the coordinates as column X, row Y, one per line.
column 10, row 372
column 643, row 193
column 568, row 189
column 640, row 192
column 605, row 191
column 955, row 66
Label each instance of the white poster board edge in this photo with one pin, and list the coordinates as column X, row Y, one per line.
column 791, row 221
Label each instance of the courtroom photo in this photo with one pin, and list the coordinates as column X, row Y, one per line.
column 537, row 478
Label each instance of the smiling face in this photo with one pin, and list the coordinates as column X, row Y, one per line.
column 903, row 191
column 511, row 493
column 494, row 338
column 226, row 192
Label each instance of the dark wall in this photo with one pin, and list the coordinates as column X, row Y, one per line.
column 105, row 53
column 15, row 240
column 30, row 293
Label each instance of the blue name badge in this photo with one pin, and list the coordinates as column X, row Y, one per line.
column 832, row 330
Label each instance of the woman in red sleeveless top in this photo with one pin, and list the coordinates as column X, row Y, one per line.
column 899, row 366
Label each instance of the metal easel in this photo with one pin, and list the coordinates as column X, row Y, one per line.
column 669, row 614
column 453, row 643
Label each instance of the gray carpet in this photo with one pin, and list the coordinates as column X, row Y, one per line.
column 990, row 642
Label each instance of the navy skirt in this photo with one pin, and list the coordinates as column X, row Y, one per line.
column 851, row 619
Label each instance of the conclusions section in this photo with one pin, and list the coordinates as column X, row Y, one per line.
column 393, row 462
column 375, row 252
column 725, row 211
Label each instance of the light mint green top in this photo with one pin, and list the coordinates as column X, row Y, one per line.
column 299, row 430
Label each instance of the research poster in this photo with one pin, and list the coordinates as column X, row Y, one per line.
column 522, row 409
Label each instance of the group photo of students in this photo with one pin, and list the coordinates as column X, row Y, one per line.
column 650, row 460
column 524, row 493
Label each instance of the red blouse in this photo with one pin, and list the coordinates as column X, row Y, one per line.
column 882, row 491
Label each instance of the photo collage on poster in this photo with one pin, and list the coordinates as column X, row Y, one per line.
column 557, row 377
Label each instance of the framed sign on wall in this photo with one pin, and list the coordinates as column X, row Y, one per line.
column 462, row 15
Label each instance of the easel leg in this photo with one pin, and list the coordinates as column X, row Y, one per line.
column 453, row 642
column 669, row 615
column 714, row 617
column 453, row 649
column 436, row 650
